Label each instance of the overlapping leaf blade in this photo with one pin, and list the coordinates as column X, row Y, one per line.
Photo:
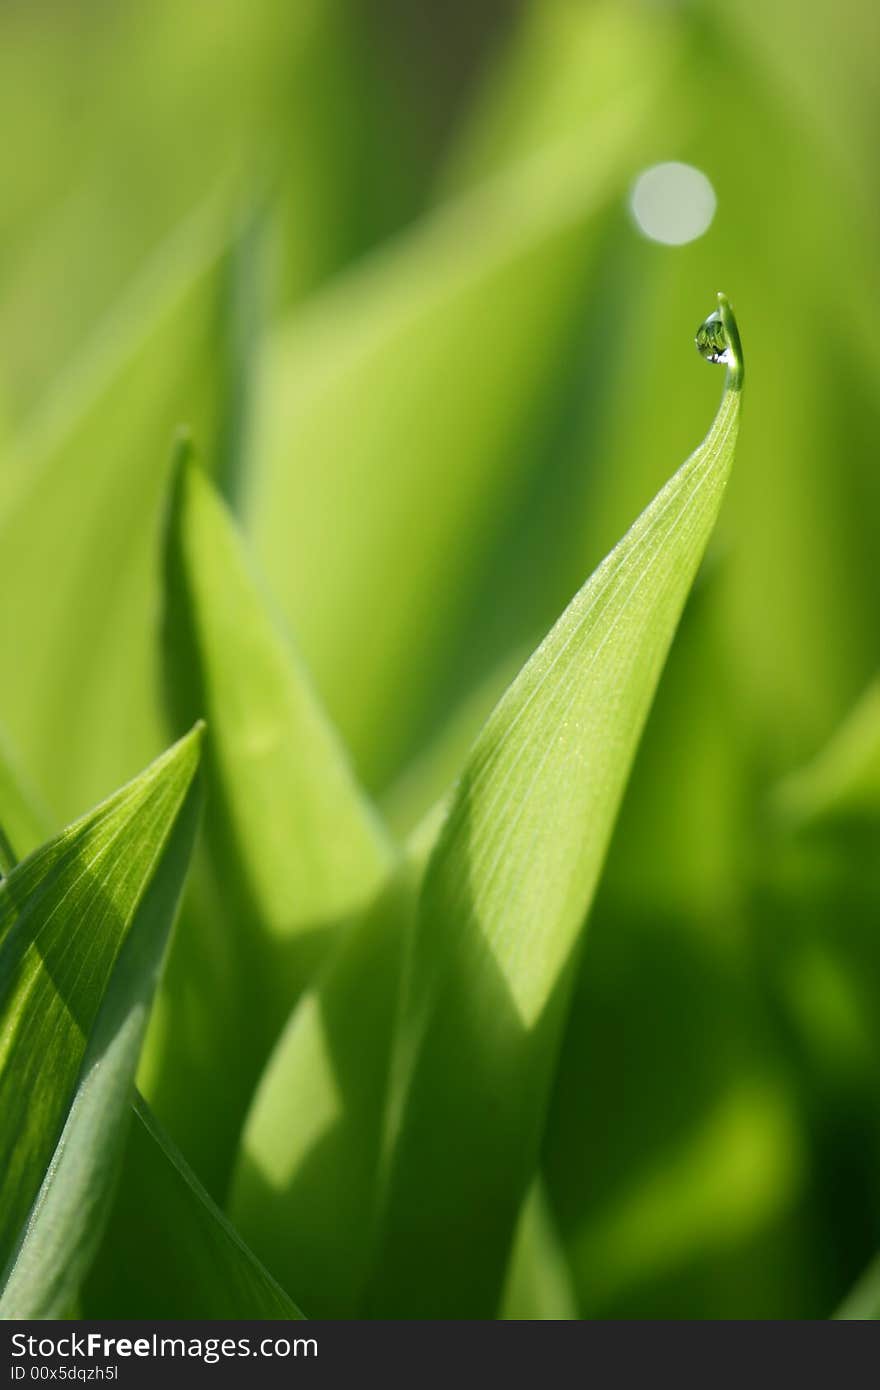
column 284, row 98
column 538, row 1286
column 22, row 824
column 676, row 1208
column 85, row 643
column 292, row 849
column 814, row 909
column 504, row 900
column 83, row 926
column 445, row 350
column 195, row 1252
column 843, row 781
column 304, row 1190
column 191, row 1262
column 863, row 1303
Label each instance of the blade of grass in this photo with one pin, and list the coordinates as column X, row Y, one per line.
column 287, row 96
column 453, row 337
column 505, row 897
column 304, row 1187
column 292, row 849
column 191, row 1263
column 427, row 779
column 668, row 968
column 863, row 1303
column 538, row 1285
column 562, row 65
column 843, row 780
column 23, row 823
column 814, row 909
column 83, row 926
column 85, row 643
column 169, row 1252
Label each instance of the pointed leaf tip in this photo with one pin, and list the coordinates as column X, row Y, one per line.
column 292, row 847
column 84, row 923
column 505, row 898
column 736, row 367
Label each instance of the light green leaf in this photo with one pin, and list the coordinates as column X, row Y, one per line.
column 193, row 1251
column 285, row 96
column 505, row 897
column 23, row 824
column 818, row 899
column 85, row 640
column 815, row 911
column 674, row 1212
column 83, row 927
column 709, row 1214
column 396, row 406
column 169, row 1252
column 843, row 780
column 429, row 777
column 538, row 1286
column 807, row 482
column 292, row 848
column 564, row 63
column 863, row 1303
column 305, row 1184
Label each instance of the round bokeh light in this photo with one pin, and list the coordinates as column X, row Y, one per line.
column 673, row 203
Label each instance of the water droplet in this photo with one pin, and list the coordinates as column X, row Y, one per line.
column 711, row 340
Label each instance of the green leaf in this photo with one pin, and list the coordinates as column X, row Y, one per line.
column 692, row 1204
column 305, row 1184
column 863, row 1303
column 843, row 780
column 85, row 644
column 807, row 481
column 427, row 779
column 23, row 824
column 192, row 1261
column 292, row 848
column 538, row 1286
column 505, row 897
column 815, row 910
column 444, row 349
column 675, row 1153
column 83, row 927
column 288, row 98
column 169, row 1252
column 563, row 65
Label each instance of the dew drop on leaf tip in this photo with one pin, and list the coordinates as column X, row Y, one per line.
column 711, row 340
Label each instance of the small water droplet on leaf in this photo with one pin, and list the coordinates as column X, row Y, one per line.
column 711, row 340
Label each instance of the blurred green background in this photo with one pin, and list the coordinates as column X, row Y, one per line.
column 381, row 258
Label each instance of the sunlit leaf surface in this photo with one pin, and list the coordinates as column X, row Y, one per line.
column 83, row 925
column 505, row 896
